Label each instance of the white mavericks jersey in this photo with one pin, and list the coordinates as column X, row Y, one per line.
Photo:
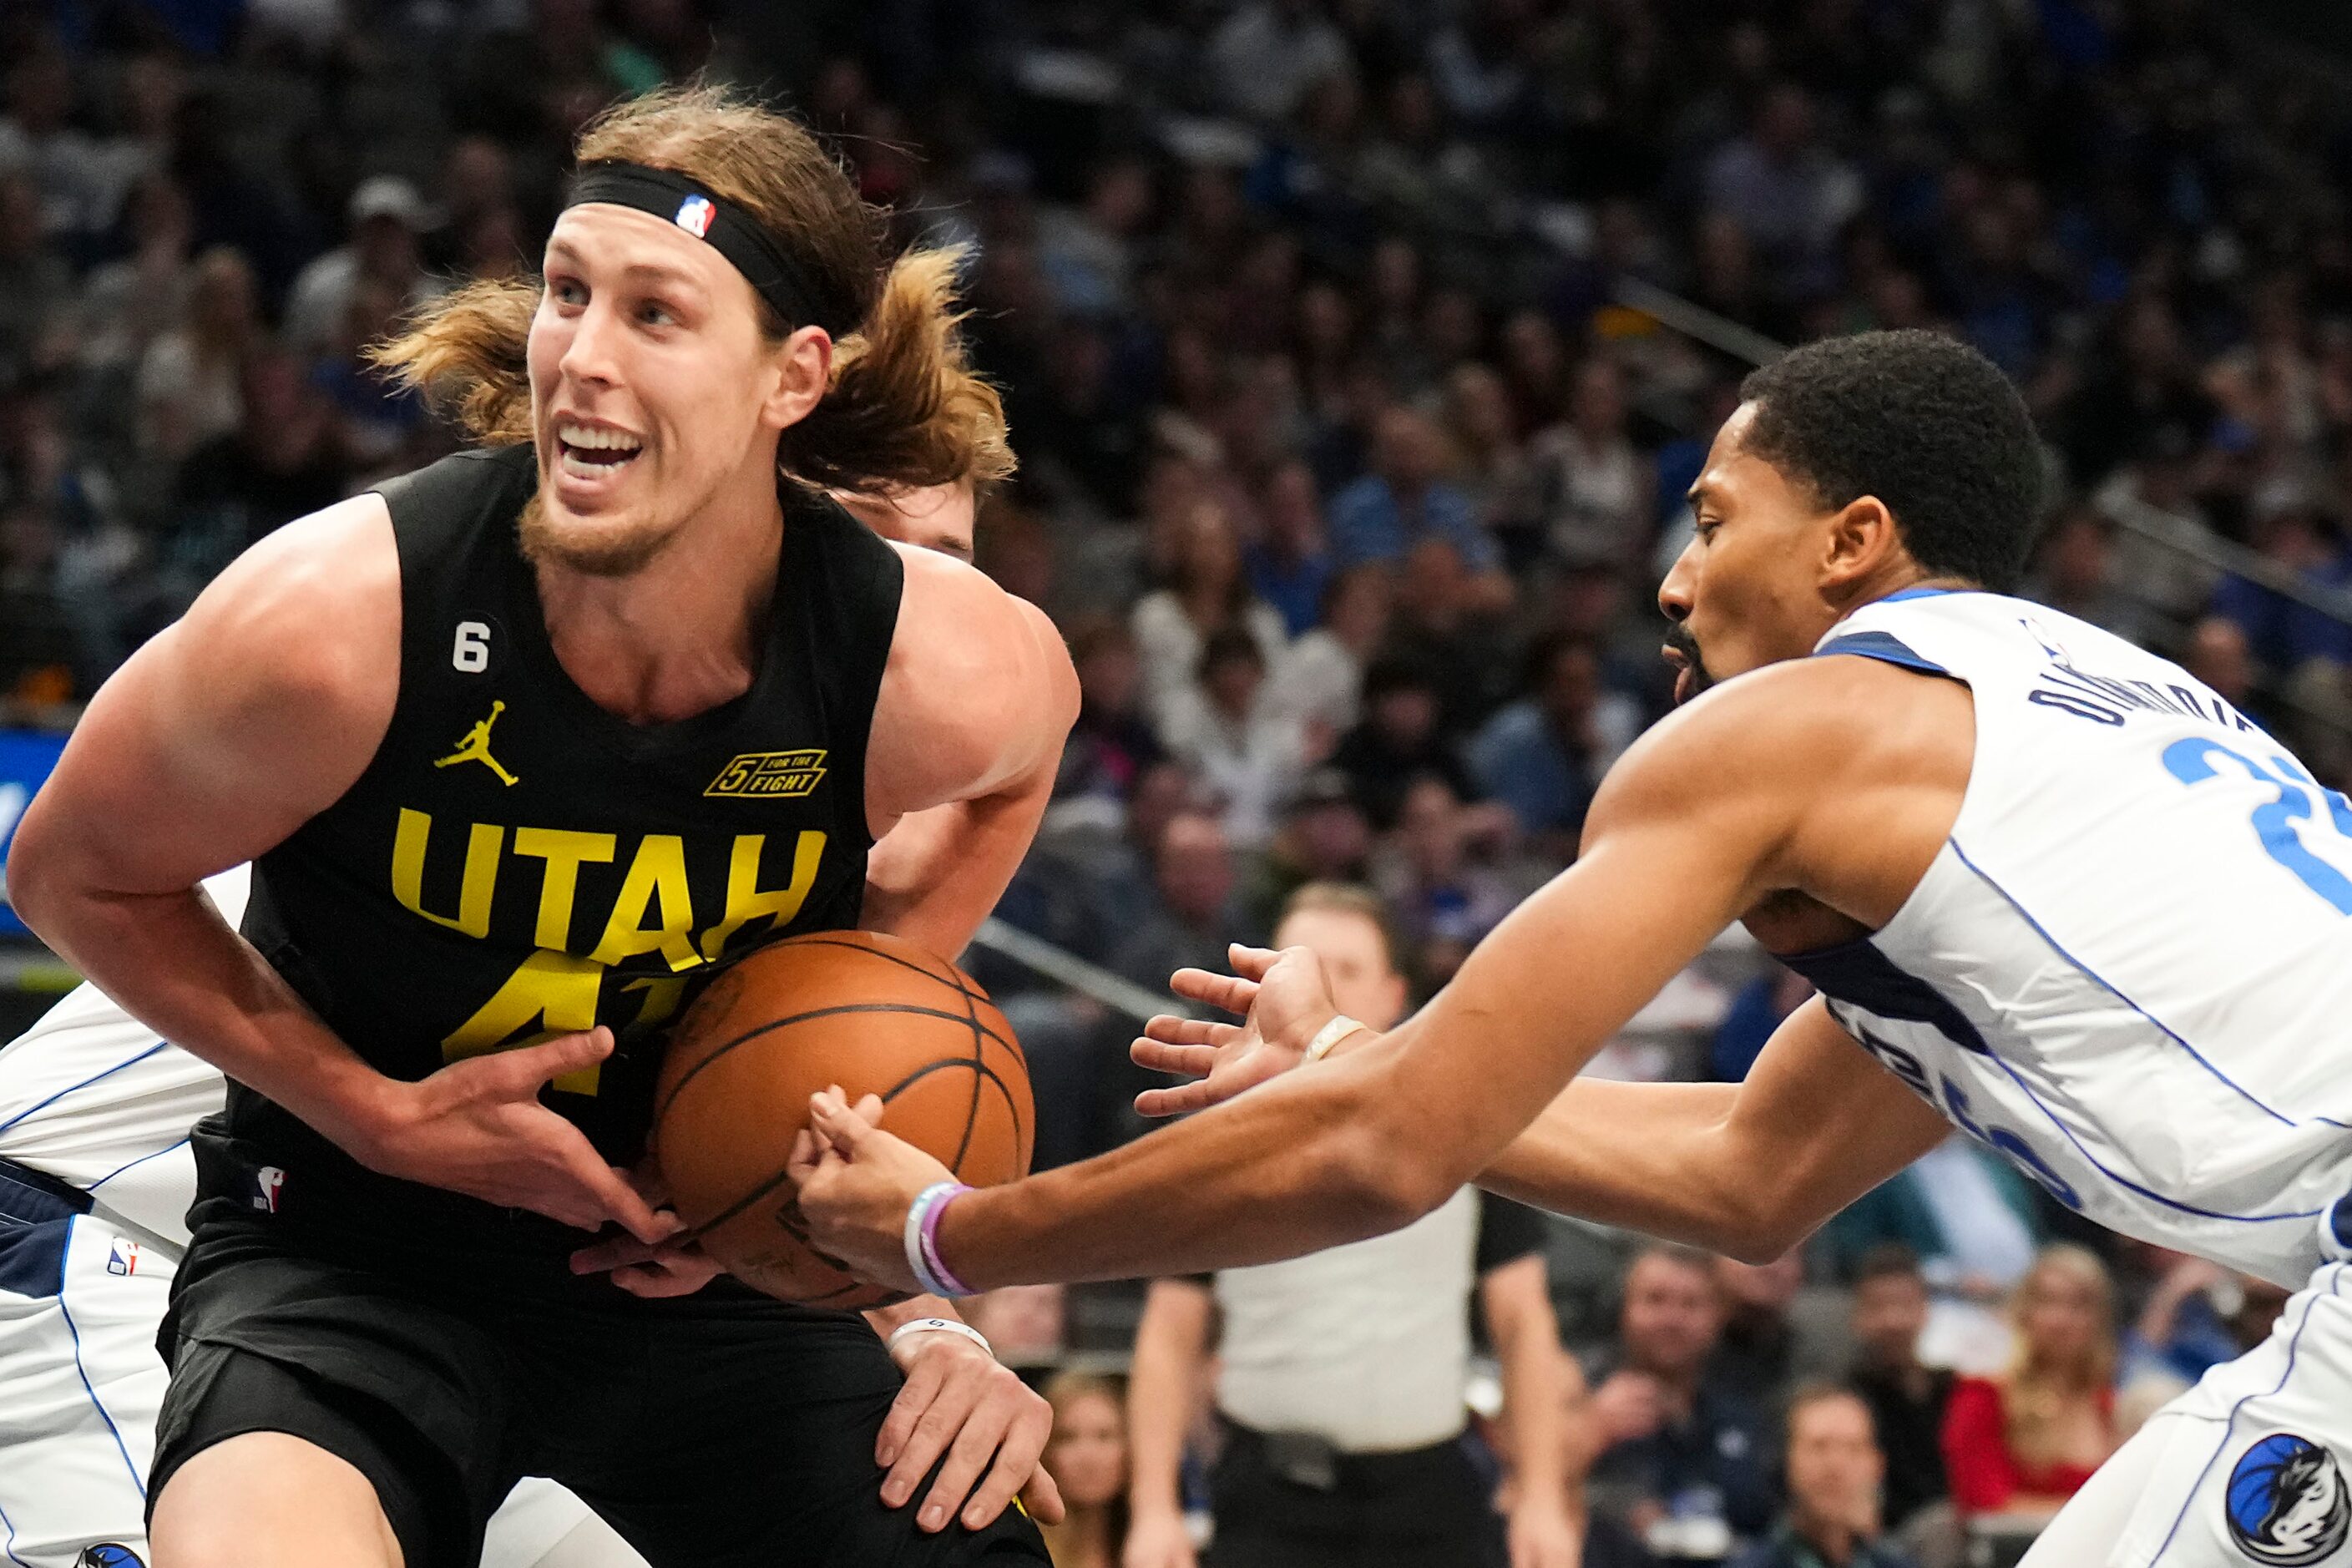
column 91, row 1096
column 2130, row 969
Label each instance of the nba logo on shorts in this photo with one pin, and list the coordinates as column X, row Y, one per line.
column 270, row 1180
column 694, row 216
column 125, row 1257
column 107, row 1555
column 2286, row 1502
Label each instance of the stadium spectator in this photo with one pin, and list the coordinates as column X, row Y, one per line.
column 1445, row 899
column 1087, row 1458
column 1322, row 676
column 1207, row 592
column 1682, row 1460
column 188, row 378
column 1190, row 917
column 1244, row 747
column 1595, row 489
column 1324, row 838
column 1340, row 1375
column 1405, row 498
column 287, row 459
column 386, row 216
column 1112, row 741
column 1289, row 563
column 2022, row 1444
column 1543, row 755
column 1906, row 1398
column 1776, row 1335
column 1398, row 740
column 1832, row 1471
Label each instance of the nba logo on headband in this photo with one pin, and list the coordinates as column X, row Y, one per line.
column 694, row 216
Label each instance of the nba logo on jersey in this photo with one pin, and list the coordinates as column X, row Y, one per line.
column 270, row 1180
column 2287, row 1503
column 123, row 1259
column 694, row 216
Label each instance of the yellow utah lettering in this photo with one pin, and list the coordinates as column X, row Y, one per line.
column 554, row 990
column 657, row 871
column 474, row 888
column 564, row 854
column 748, row 901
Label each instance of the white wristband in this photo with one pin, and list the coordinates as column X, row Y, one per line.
column 1328, row 1036
column 943, row 1326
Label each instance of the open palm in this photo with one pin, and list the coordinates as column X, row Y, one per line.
column 1284, row 999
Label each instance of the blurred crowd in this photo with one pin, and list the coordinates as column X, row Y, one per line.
column 1348, row 469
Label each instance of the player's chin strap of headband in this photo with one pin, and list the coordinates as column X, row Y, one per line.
column 727, row 228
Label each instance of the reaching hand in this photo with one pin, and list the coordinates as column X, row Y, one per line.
column 957, row 1401
column 478, row 1127
column 1286, row 999
column 856, row 1184
column 666, row 1268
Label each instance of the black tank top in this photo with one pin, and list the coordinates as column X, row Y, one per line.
column 516, row 862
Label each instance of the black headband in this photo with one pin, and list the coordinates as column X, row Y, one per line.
column 727, row 228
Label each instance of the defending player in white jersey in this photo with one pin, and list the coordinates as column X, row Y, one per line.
column 96, row 1178
column 95, row 1182
column 2054, row 890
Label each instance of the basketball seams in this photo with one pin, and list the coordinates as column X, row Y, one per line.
column 954, row 980
column 772, row 1024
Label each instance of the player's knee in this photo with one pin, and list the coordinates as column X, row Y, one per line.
column 266, row 1499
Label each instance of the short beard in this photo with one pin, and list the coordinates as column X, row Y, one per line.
column 1679, row 638
column 614, row 556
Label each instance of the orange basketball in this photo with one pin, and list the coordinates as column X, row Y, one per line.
column 868, row 1012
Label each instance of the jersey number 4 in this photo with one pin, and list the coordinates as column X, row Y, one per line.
column 2192, row 763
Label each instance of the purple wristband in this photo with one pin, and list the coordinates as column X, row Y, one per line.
column 939, row 1272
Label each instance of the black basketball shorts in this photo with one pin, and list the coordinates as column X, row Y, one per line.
column 719, row 1429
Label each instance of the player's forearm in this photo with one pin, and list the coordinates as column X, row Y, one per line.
column 1648, row 1157
column 1314, row 1159
column 171, row 962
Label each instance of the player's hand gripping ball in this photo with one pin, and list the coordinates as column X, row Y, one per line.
column 869, row 1013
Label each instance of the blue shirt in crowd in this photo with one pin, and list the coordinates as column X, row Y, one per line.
column 1367, row 523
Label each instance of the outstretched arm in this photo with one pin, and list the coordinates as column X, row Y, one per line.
column 1762, row 786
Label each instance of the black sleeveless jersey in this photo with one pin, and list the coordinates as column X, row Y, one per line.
column 516, row 862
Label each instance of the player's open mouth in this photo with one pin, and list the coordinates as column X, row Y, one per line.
column 592, row 451
column 1686, row 678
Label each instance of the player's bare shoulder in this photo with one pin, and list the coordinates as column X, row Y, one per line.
column 1847, row 774
column 979, row 689
column 311, row 613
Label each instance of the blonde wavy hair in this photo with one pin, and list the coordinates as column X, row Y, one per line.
column 2038, row 1391
column 905, row 409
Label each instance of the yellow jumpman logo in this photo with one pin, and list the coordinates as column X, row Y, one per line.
column 475, row 747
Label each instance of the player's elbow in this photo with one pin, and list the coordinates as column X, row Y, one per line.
column 1760, row 1222
column 38, row 879
column 1388, row 1172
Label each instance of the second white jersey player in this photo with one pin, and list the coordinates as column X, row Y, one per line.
column 95, row 1182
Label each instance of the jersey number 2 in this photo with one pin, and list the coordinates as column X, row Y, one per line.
column 2191, row 761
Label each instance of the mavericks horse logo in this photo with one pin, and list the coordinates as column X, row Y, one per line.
column 2286, row 1502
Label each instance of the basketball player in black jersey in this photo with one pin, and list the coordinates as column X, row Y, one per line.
column 523, row 746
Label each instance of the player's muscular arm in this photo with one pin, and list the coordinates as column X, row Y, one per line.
column 1746, row 1169
column 975, row 703
column 1722, row 805
column 212, row 744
